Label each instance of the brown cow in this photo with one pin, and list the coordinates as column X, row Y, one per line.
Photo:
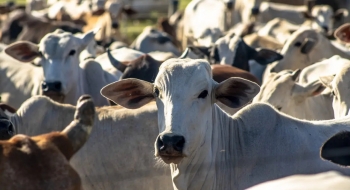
column 42, row 162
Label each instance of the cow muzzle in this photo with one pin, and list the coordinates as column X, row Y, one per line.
column 53, row 90
column 6, row 129
column 170, row 148
column 115, row 25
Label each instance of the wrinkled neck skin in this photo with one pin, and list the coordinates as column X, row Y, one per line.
column 203, row 169
column 77, row 87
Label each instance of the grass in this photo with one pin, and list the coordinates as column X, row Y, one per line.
column 134, row 27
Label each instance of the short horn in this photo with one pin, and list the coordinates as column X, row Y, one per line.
column 296, row 74
column 117, row 64
column 78, row 131
column 185, row 53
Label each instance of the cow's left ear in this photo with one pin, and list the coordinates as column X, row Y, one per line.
column 312, row 89
column 337, row 149
column 340, row 13
column 266, row 56
column 23, row 51
column 86, row 38
column 129, row 93
column 236, row 92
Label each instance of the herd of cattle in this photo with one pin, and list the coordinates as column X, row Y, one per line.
column 230, row 94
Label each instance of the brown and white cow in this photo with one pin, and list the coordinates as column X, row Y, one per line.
column 42, row 162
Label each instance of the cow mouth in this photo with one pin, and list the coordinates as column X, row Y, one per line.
column 168, row 159
column 55, row 96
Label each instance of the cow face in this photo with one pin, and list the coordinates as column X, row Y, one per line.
column 185, row 94
column 59, row 56
column 42, row 162
column 284, row 92
column 300, row 50
column 115, row 10
column 339, row 85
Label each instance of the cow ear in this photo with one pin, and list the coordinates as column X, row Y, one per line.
column 307, row 45
column 327, row 81
column 266, row 56
column 340, row 13
column 78, row 131
column 312, row 89
column 236, row 92
column 129, row 93
column 87, row 38
column 23, row 51
column 337, row 149
column 343, row 33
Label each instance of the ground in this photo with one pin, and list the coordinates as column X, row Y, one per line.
column 135, row 27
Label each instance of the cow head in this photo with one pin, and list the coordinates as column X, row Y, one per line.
column 283, row 91
column 323, row 16
column 300, row 50
column 339, row 86
column 183, row 90
column 42, row 162
column 232, row 50
column 152, row 39
column 337, row 149
column 115, row 10
column 59, row 56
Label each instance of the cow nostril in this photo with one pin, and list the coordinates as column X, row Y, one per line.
column 179, row 145
column 115, row 25
column 160, row 144
column 10, row 129
column 57, row 86
column 44, row 86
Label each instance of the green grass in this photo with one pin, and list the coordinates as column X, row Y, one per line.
column 135, row 27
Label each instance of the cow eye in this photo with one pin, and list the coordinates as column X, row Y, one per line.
column 156, row 92
column 297, row 44
column 40, row 54
column 333, row 94
column 203, row 94
column 72, row 52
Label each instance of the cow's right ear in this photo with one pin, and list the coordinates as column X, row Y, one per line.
column 23, row 51
column 236, row 92
column 129, row 93
column 343, row 33
column 337, row 149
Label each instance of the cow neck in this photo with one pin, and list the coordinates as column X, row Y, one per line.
column 212, row 165
column 77, row 89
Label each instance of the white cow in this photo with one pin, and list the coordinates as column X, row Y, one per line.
column 339, row 85
column 305, row 47
column 64, row 79
column 217, row 151
column 304, row 101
